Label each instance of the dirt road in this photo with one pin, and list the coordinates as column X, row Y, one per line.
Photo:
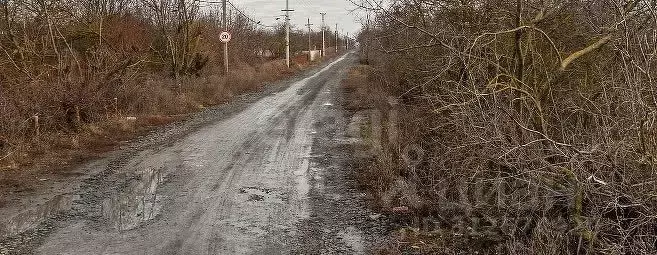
column 267, row 179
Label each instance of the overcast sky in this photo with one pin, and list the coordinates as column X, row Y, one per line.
column 337, row 11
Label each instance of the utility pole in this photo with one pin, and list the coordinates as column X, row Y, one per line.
column 346, row 42
column 225, row 23
column 344, row 39
column 287, row 32
column 336, row 38
column 323, row 40
column 309, row 43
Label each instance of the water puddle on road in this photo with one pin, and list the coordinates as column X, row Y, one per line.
column 137, row 203
column 31, row 218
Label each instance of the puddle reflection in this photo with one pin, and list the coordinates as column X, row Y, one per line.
column 137, row 203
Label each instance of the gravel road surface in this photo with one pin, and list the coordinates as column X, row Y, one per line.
column 269, row 178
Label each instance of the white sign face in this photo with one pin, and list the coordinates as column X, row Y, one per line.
column 225, row 37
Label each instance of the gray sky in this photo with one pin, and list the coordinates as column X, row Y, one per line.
column 337, row 11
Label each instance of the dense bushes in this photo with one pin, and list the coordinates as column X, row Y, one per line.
column 535, row 120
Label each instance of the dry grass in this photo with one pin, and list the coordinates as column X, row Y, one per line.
column 378, row 171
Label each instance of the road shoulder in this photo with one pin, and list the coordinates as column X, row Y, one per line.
column 340, row 221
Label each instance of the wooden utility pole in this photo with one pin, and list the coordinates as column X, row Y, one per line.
column 323, row 38
column 225, row 23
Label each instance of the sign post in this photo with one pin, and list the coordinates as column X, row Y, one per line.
column 225, row 38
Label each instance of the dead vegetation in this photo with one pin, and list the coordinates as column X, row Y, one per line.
column 78, row 77
column 517, row 127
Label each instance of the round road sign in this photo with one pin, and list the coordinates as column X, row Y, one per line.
column 225, row 37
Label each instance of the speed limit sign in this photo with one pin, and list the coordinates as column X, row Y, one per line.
column 225, row 37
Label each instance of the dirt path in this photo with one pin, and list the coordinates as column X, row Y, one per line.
column 269, row 179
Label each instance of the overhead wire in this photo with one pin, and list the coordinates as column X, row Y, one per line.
column 247, row 17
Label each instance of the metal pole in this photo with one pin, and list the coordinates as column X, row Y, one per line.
column 323, row 38
column 223, row 20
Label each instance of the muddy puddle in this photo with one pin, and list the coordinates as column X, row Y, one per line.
column 137, row 203
column 30, row 219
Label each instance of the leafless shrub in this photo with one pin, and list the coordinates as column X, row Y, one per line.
column 536, row 117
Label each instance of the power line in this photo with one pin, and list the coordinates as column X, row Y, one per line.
column 258, row 23
column 249, row 18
